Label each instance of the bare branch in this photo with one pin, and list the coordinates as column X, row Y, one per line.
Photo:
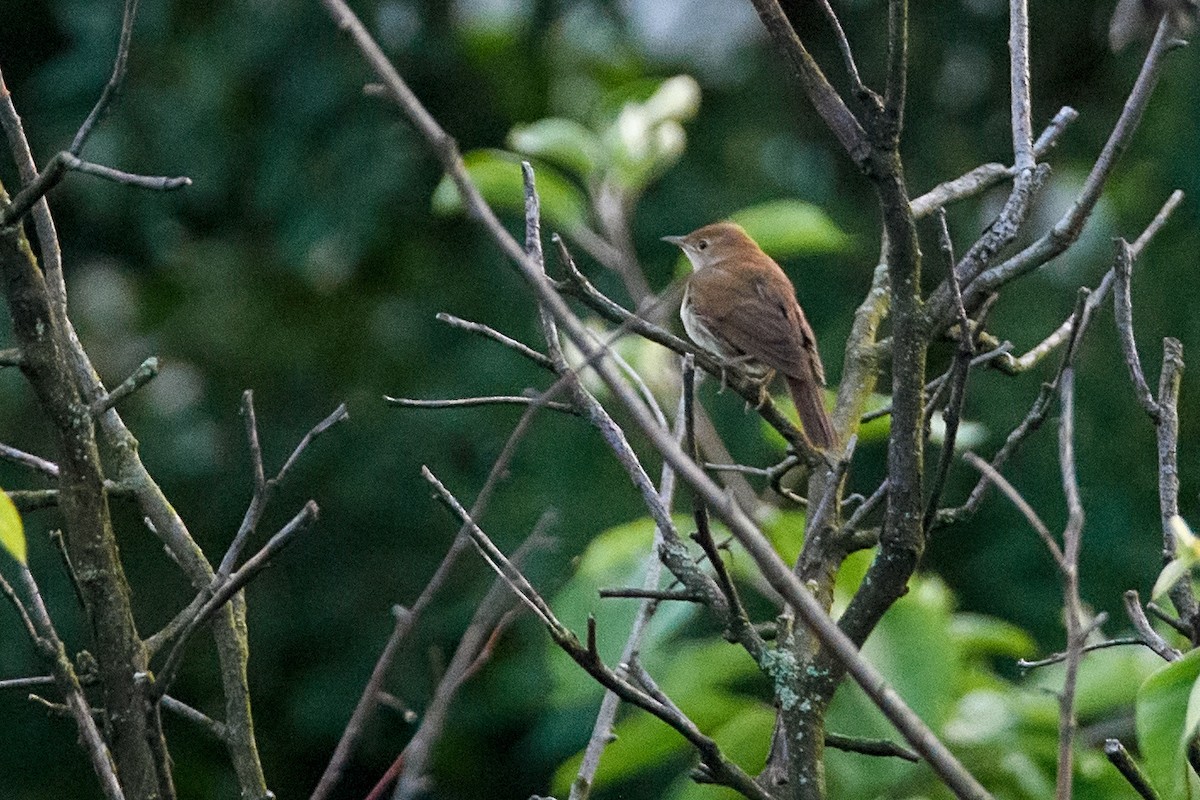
column 1019, row 501
column 1068, row 228
column 491, row 616
column 114, row 81
column 605, row 718
column 140, row 377
column 406, row 619
column 1123, row 311
column 870, row 747
column 856, row 84
column 50, row 645
column 987, row 175
column 35, row 463
column 1145, row 631
column 225, row 590
column 723, row 771
column 821, row 94
column 1018, row 46
column 1072, row 604
column 491, row 333
column 774, row 570
column 494, row 400
column 215, row 729
column 1058, row 658
column 264, row 489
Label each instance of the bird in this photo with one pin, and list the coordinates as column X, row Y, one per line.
column 739, row 304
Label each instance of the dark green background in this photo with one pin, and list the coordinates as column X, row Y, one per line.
column 305, row 264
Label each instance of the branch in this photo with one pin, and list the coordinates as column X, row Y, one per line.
column 1068, row 228
column 1072, row 604
column 1145, row 631
column 470, row 402
column 602, row 729
column 987, row 175
column 491, row 617
column 820, row 92
column 1018, row 45
column 1119, row 757
column 264, row 489
column 491, row 333
column 225, row 591
column 774, row 570
column 140, row 377
column 721, row 769
column 406, row 619
column 1123, row 311
column 1031, row 516
column 1167, row 433
column 1058, row 658
column 30, row 461
column 50, row 646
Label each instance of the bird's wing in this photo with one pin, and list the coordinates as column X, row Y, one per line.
column 764, row 321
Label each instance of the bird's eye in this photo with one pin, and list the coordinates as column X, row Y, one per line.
column 702, row 245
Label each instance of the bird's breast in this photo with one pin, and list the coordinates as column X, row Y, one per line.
column 698, row 329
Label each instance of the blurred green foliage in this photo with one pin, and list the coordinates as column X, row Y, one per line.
column 307, row 262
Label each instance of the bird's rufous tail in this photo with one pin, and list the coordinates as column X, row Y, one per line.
column 810, row 405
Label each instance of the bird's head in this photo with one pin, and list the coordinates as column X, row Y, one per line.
column 714, row 243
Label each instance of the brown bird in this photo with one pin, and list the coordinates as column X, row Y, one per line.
column 739, row 304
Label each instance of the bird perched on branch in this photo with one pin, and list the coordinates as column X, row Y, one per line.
column 739, row 304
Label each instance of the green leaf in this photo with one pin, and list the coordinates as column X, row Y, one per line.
column 1161, row 717
column 12, row 530
column 981, row 636
column 497, row 174
column 562, row 142
column 785, row 228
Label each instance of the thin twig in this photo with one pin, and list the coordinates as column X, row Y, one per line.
column 406, row 619
column 228, row 588
column 1123, row 311
column 1068, row 228
column 1158, row 612
column 491, row 333
column 652, row 594
column 1019, row 501
column 722, row 769
column 264, row 488
column 856, row 84
column 212, row 727
column 491, row 617
column 114, row 81
column 1099, row 294
column 1058, row 658
column 469, row 402
column 1145, row 631
column 140, row 377
column 30, row 461
column 987, row 175
column 51, row 646
column 870, row 747
column 1018, row 47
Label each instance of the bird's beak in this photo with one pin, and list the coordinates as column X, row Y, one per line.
column 675, row 240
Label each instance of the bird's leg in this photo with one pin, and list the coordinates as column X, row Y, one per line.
column 740, row 362
column 764, row 393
